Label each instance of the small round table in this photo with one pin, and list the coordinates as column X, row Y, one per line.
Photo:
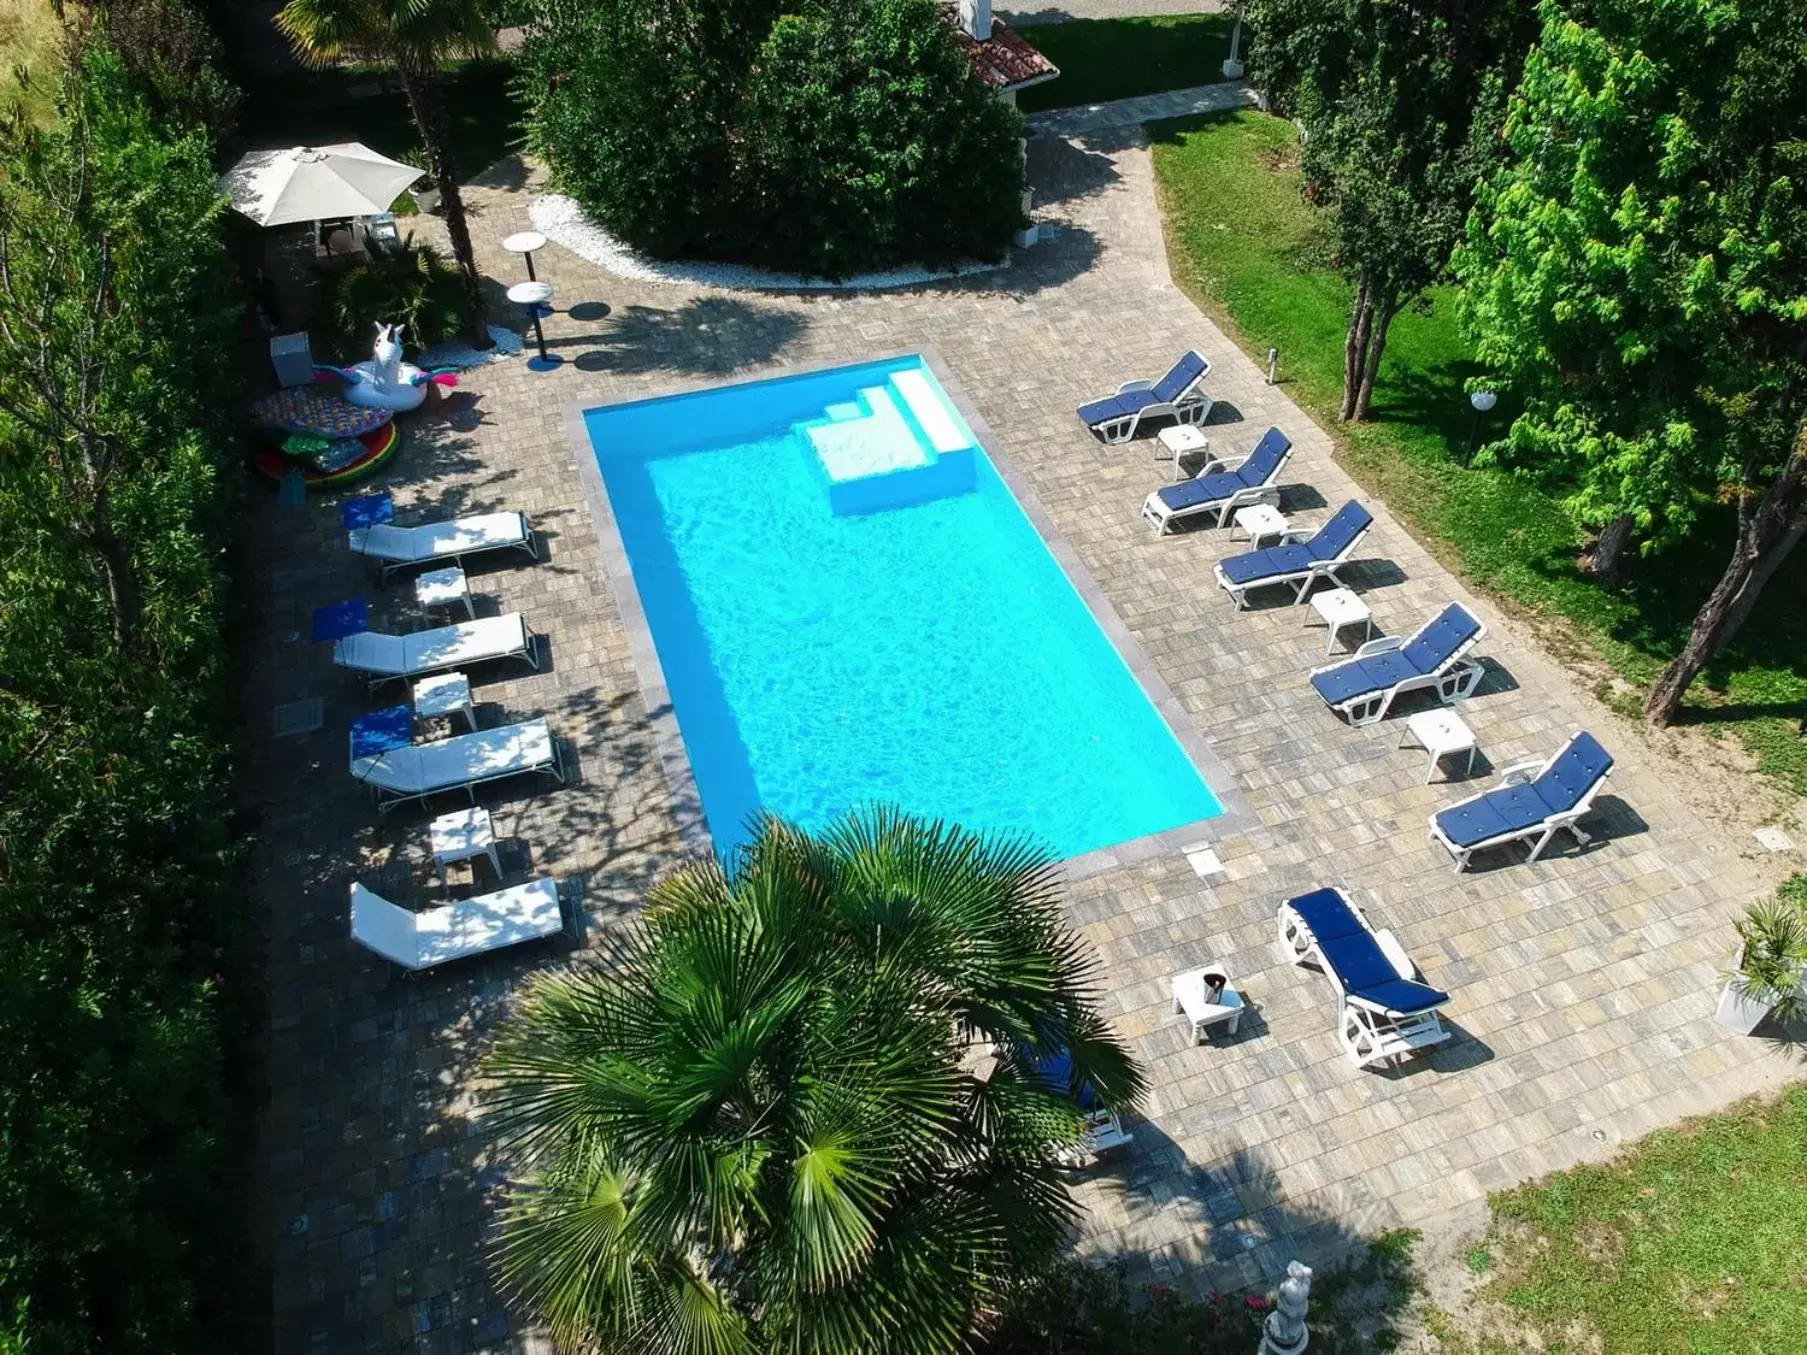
column 525, row 242
column 534, row 296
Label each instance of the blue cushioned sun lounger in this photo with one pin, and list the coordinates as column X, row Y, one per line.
column 1532, row 800
column 1301, row 559
column 1176, row 396
column 1104, row 1132
column 1221, row 487
column 1362, row 687
column 1387, row 1013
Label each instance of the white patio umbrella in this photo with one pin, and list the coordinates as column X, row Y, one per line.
column 315, row 183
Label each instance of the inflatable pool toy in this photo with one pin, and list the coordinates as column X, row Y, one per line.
column 384, row 381
column 317, row 410
column 337, row 462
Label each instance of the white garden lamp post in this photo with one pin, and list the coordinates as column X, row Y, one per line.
column 1482, row 401
column 1232, row 66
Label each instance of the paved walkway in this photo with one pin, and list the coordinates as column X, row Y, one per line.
column 1174, row 103
column 1069, row 10
column 1582, row 985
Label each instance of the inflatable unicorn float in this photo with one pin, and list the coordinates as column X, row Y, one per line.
column 384, row 381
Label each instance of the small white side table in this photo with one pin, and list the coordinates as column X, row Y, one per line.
column 1258, row 520
column 444, row 588
column 1189, row 998
column 1180, row 440
column 1439, row 732
column 1339, row 607
column 446, row 694
column 463, row 836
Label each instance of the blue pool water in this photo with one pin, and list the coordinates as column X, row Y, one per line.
column 851, row 608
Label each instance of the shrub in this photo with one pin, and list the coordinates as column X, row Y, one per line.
column 412, row 285
column 122, row 923
column 827, row 139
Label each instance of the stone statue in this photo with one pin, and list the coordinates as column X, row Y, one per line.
column 1284, row 1332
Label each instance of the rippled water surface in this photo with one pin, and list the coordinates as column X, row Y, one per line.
column 931, row 656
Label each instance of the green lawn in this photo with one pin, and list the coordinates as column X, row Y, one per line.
column 1254, row 255
column 1690, row 1241
column 30, row 39
column 315, row 107
column 1103, row 59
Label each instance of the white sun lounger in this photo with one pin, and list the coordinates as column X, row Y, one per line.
column 447, row 542
column 1120, row 416
column 1302, row 558
column 1533, row 800
column 453, row 931
column 1221, row 487
column 390, row 657
column 1387, row 1013
column 1363, row 687
column 399, row 775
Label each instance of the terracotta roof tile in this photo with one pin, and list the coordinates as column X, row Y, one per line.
column 1005, row 60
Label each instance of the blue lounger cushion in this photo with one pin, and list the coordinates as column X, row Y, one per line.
column 1515, row 809
column 1362, row 677
column 1179, row 378
column 1422, row 655
column 1326, row 544
column 1575, row 772
column 1273, row 563
column 1498, row 813
column 1434, row 645
column 1212, row 488
column 1350, row 949
column 1256, row 470
column 1115, row 407
column 1336, row 535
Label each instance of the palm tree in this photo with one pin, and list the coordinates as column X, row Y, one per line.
column 799, row 1108
column 414, row 36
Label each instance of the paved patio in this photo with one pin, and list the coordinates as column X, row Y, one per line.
column 1582, row 984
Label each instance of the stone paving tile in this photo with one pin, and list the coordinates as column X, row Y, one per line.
column 1133, row 112
column 1582, row 984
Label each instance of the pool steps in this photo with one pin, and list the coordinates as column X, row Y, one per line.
column 890, row 447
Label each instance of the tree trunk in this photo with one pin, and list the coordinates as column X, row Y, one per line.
column 1763, row 542
column 426, row 102
column 1608, row 551
column 1772, row 559
column 1388, row 307
column 1355, row 346
column 115, row 561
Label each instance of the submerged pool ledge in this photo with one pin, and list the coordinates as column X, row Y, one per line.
column 671, row 637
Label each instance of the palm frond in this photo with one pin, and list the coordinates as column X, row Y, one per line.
column 752, row 1127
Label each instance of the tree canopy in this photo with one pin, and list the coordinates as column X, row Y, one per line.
column 1636, row 268
column 1400, row 101
column 121, row 922
column 416, row 37
column 812, row 137
column 801, row 1110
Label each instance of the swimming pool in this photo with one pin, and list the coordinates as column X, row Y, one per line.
column 850, row 607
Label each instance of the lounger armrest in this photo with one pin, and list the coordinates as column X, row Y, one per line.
column 1520, row 773
column 1395, row 953
column 1386, row 644
column 1129, row 386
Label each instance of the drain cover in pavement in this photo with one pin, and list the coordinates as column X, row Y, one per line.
column 1775, row 839
column 300, row 717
